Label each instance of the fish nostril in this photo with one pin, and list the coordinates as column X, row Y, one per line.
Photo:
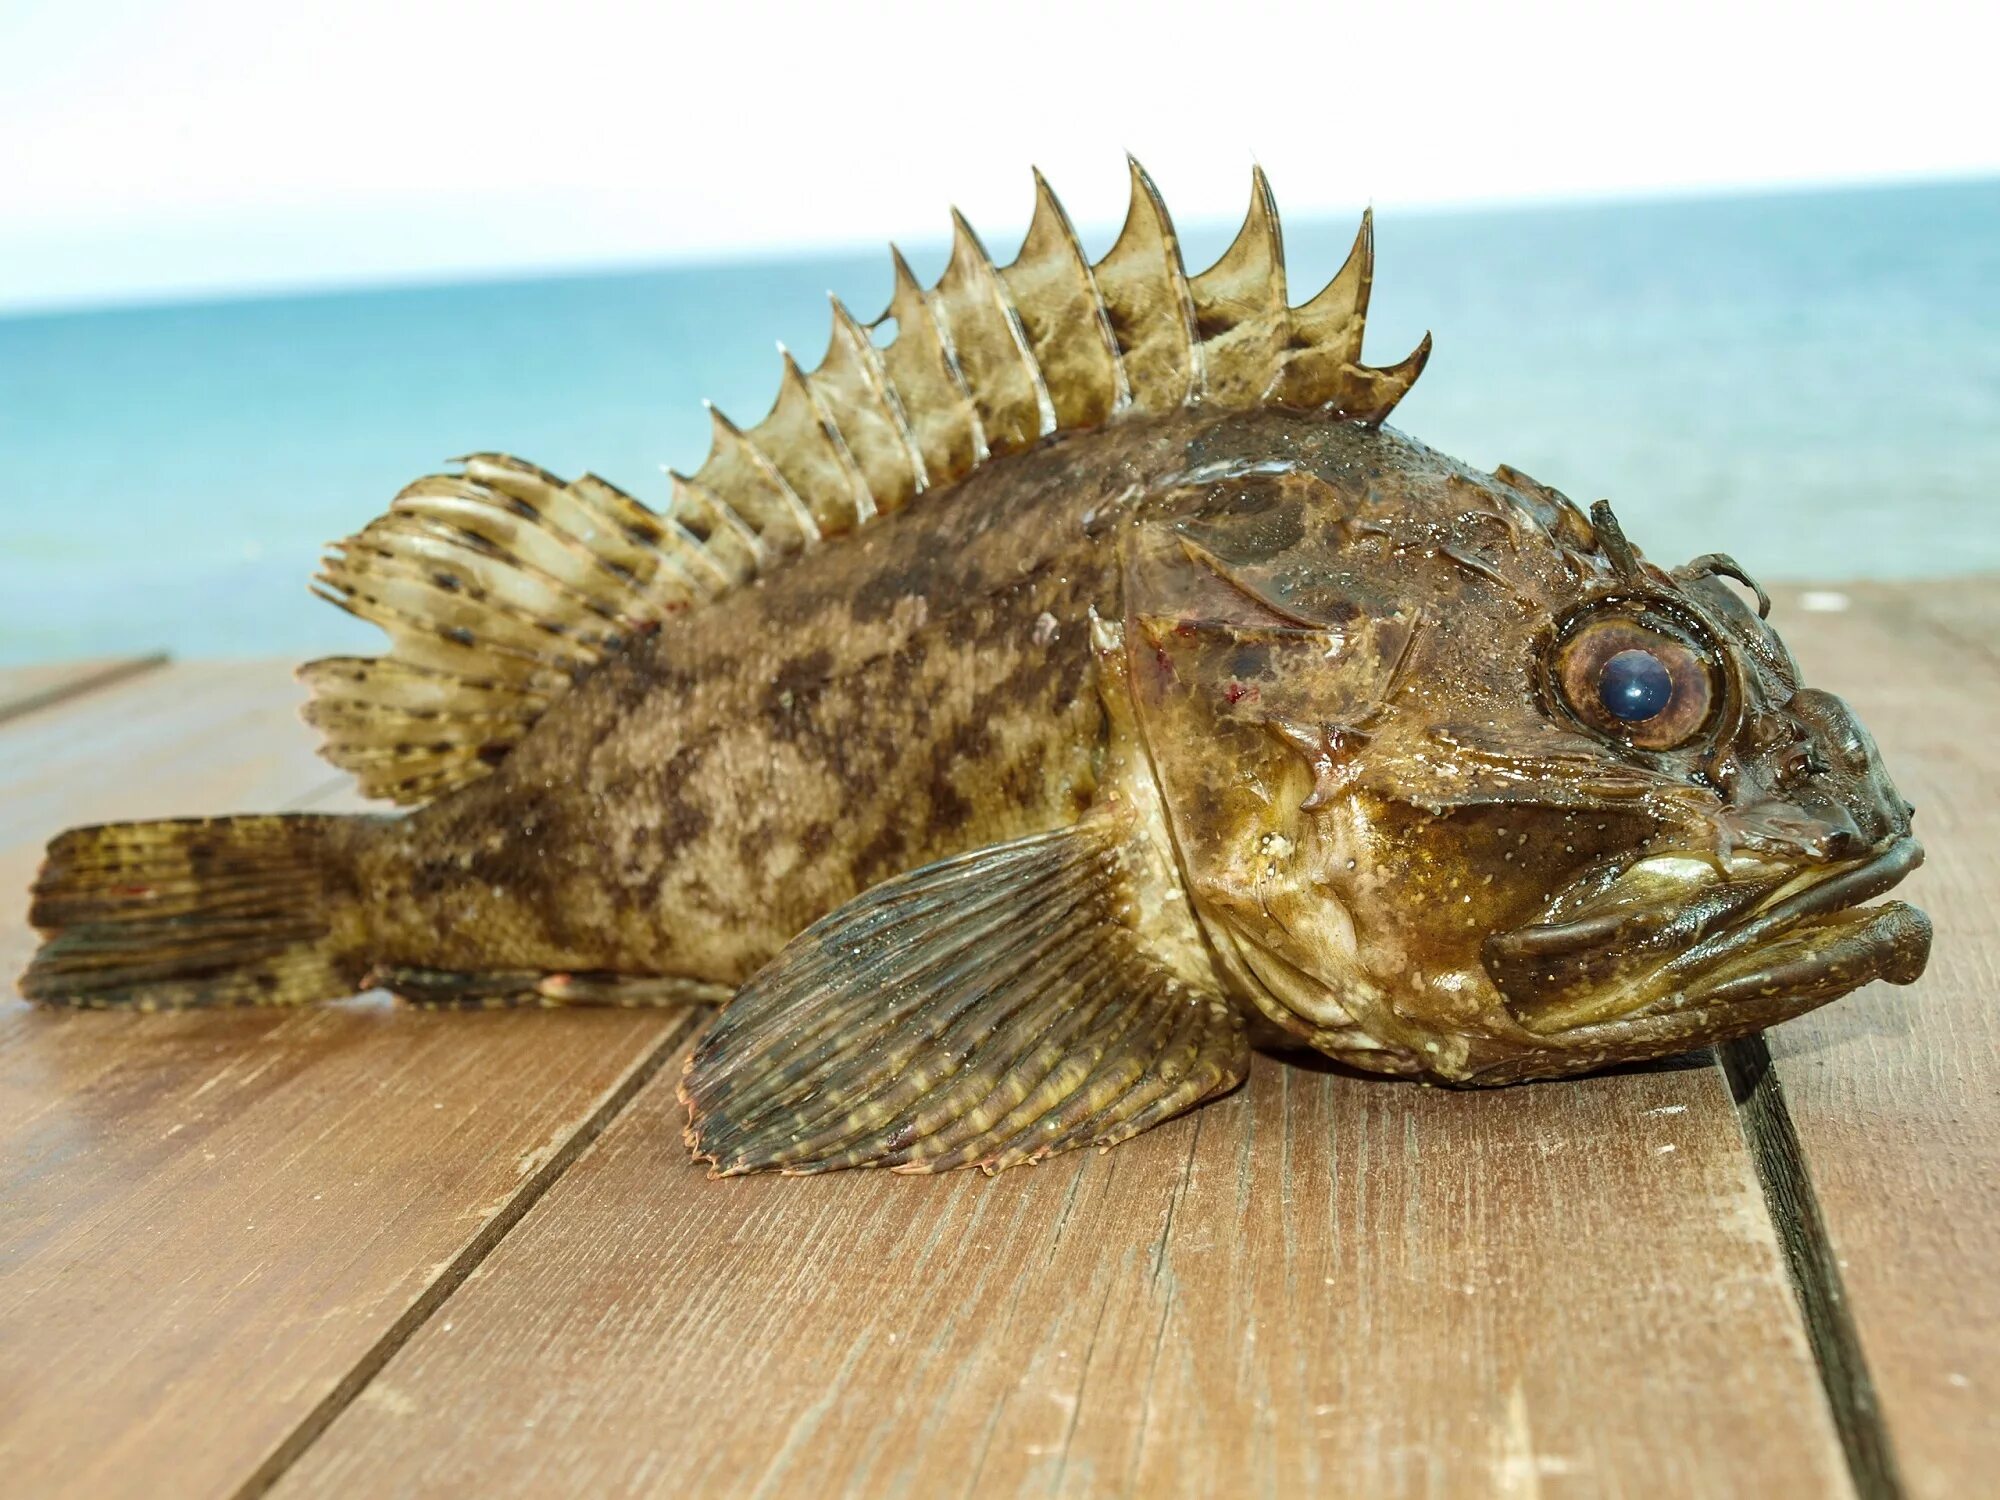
column 1802, row 761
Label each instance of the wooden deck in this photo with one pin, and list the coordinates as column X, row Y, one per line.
column 354, row 1250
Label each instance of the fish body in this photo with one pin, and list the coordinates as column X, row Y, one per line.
column 1027, row 717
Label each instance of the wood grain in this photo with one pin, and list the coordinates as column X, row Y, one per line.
column 1321, row 1282
column 213, row 1221
column 25, row 689
column 223, row 1232
column 1895, row 1094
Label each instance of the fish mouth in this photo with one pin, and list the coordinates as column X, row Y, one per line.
column 1678, row 933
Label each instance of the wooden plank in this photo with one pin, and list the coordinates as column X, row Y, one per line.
column 1624, row 1330
column 216, row 1223
column 1895, row 1094
column 1322, row 1283
column 25, row 689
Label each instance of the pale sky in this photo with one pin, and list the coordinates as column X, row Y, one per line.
column 200, row 146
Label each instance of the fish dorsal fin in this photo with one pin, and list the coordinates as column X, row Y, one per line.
column 501, row 584
column 498, row 587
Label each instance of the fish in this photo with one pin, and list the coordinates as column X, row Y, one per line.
column 1071, row 687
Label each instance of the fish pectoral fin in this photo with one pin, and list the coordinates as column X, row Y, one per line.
column 984, row 1011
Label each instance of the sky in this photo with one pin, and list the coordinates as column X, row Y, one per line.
column 203, row 147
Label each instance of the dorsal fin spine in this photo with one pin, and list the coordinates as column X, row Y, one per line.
column 1179, row 287
column 860, row 496
column 737, row 469
column 1063, row 318
column 848, row 334
column 853, row 398
column 1143, row 287
column 1360, row 287
column 912, row 293
column 729, row 545
column 998, row 367
column 928, row 382
column 806, row 452
column 1242, row 317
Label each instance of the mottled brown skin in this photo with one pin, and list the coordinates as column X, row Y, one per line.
column 1376, row 788
column 891, row 698
column 1337, row 644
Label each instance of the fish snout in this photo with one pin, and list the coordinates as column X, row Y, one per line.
column 1834, row 771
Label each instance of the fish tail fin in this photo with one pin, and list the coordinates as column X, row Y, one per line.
column 197, row 912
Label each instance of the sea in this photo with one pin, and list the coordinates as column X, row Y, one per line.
column 1809, row 381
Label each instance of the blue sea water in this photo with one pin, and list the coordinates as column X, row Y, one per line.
column 1809, row 381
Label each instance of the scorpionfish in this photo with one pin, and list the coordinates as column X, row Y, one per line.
column 1039, row 710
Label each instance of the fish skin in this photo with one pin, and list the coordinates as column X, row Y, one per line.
column 881, row 702
column 900, row 697
column 927, row 686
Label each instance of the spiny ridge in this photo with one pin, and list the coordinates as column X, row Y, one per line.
column 992, row 359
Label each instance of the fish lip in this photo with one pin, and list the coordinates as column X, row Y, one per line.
column 1845, row 889
column 1893, row 941
column 1879, row 938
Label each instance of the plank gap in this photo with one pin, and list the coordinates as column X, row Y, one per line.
column 88, row 680
column 462, row 1265
column 1815, row 1270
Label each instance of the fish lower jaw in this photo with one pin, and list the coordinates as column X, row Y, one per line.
column 1728, row 1006
column 1803, row 937
column 1820, row 958
column 1816, row 960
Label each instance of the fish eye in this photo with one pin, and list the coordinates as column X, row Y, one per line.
column 1634, row 683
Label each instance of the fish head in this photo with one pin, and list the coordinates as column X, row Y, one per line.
column 1463, row 787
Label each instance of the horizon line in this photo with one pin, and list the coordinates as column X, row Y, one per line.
column 585, row 267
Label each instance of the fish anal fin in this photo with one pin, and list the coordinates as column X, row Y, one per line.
column 989, row 1010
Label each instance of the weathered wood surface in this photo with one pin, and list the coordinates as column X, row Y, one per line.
column 1321, row 1283
column 211, row 1221
column 1895, row 1094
